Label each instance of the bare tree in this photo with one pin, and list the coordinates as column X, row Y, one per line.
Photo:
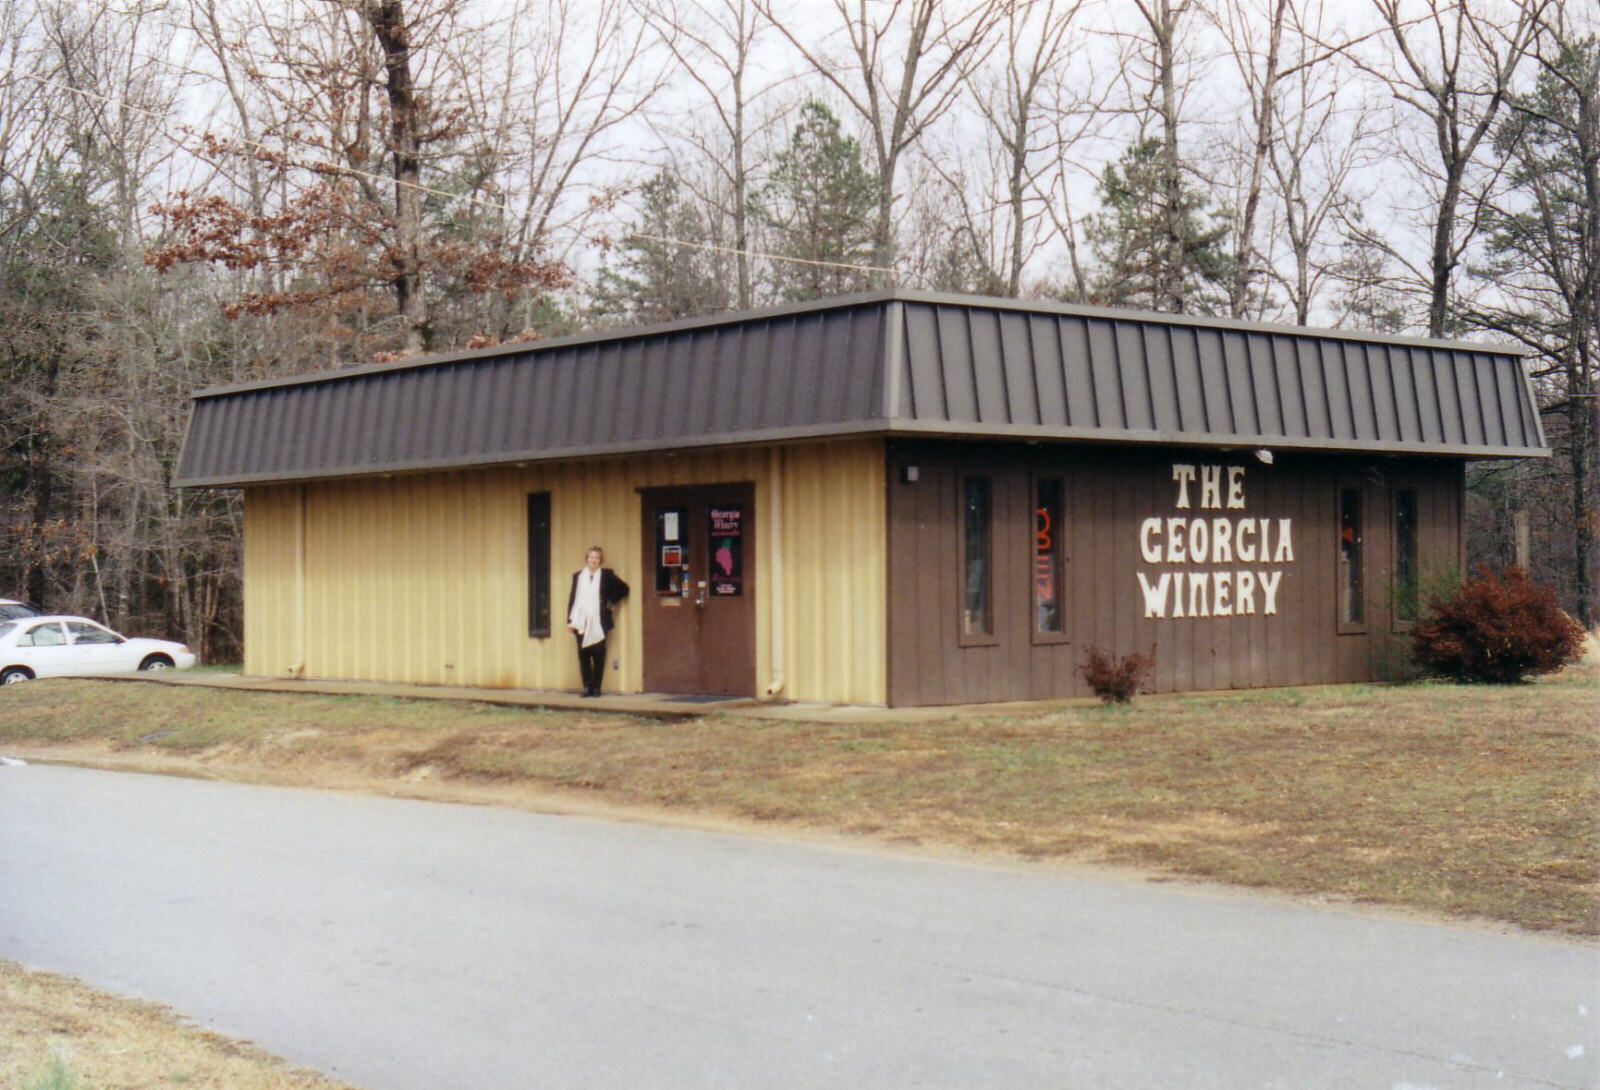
column 1542, row 259
column 1451, row 63
column 908, row 61
column 1304, row 138
column 1028, row 108
column 712, row 42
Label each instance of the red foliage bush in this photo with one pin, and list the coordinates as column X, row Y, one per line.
column 1498, row 628
column 1115, row 680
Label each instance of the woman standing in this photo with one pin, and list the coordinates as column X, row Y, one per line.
column 595, row 590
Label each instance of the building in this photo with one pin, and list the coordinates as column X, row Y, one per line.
column 889, row 498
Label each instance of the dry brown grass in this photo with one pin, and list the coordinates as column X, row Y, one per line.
column 1466, row 801
column 56, row 1033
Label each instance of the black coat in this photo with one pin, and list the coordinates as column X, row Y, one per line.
column 612, row 591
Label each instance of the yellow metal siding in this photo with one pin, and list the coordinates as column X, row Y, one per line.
column 424, row 578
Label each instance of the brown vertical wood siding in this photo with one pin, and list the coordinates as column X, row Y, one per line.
column 1108, row 494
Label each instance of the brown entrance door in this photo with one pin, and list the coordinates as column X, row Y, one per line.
column 699, row 601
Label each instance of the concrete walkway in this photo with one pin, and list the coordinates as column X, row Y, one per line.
column 653, row 705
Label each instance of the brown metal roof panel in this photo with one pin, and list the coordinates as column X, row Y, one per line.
column 1071, row 338
column 1489, row 403
column 1104, row 375
column 802, row 403
column 1452, row 429
column 1011, row 341
column 1176, row 390
column 1466, row 386
column 1313, row 387
column 992, row 372
column 1352, row 404
column 1403, row 385
column 1292, row 408
column 922, row 349
column 1265, row 401
column 1514, row 408
column 1131, row 380
column 846, row 392
column 1212, row 362
column 1235, row 352
column 1040, row 338
column 957, row 369
column 876, row 351
column 769, row 379
column 725, row 376
column 1379, row 377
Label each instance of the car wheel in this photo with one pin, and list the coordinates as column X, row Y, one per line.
column 13, row 674
column 156, row 662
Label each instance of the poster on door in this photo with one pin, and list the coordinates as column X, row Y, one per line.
column 726, row 552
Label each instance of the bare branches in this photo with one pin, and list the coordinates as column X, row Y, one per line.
column 906, row 67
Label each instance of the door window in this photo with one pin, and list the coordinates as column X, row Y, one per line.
column 725, row 550
column 90, row 633
column 672, row 552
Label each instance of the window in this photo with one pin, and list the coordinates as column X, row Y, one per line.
column 1405, row 555
column 45, row 635
column 539, row 564
column 90, row 633
column 977, row 614
column 1046, row 573
column 1351, row 590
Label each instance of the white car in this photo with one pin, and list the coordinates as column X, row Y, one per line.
column 11, row 609
column 33, row 647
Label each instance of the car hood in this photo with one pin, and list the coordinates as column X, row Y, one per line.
column 140, row 643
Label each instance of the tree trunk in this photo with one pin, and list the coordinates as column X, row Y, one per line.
column 388, row 23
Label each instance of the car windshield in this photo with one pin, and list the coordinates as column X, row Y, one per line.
column 11, row 611
column 7, row 628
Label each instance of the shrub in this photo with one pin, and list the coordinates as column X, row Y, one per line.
column 1115, row 680
column 1498, row 628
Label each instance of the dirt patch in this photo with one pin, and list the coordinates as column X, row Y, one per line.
column 56, row 1032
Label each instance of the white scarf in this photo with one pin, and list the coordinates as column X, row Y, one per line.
column 585, row 616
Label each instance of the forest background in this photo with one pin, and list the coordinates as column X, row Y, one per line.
column 195, row 192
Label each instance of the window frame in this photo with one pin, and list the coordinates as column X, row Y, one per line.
column 1360, row 626
column 1064, row 634
column 991, row 637
column 539, row 574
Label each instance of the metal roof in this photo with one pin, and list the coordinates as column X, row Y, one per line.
column 885, row 363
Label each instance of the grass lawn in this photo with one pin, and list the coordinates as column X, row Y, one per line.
column 1465, row 801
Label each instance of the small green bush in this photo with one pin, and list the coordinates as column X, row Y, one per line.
column 1497, row 628
column 1115, row 680
column 55, row 1076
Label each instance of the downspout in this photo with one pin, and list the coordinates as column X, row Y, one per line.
column 775, row 528
column 298, row 667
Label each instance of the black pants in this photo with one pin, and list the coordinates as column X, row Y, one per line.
column 592, row 664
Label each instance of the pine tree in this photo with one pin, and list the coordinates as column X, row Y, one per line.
column 1544, row 262
column 657, row 278
column 820, row 203
column 1132, row 239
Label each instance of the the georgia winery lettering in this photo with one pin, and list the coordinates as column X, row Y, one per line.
column 1219, row 545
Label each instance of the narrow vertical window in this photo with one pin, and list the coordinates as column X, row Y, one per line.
column 539, row 564
column 1350, row 558
column 976, row 602
column 1405, row 554
column 1046, row 572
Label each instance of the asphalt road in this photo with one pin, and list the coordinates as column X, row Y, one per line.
column 414, row 945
